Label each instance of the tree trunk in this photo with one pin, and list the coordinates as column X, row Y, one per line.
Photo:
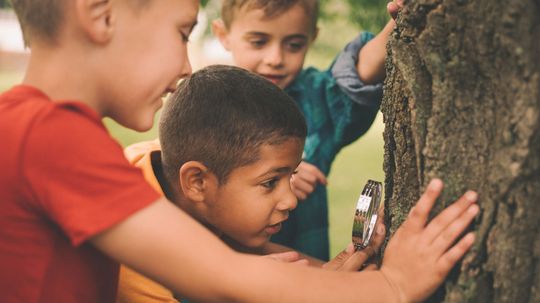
column 462, row 103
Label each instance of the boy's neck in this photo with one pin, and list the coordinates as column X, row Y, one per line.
column 164, row 184
column 61, row 76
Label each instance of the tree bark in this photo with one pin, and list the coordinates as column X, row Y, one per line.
column 462, row 103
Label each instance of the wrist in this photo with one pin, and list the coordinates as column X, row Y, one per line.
column 391, row 286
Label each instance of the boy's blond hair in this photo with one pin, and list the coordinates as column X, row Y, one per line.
column 271, row 8
column 39, row 18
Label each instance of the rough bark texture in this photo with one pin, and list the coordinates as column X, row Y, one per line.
column 462, row 102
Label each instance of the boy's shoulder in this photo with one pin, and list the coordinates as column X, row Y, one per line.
column 26, row 104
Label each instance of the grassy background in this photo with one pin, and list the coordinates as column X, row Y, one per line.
column 354, row 165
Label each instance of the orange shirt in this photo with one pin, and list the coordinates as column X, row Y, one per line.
column 132, row 286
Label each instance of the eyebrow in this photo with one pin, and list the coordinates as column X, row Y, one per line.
column 193, row 26
column 293, row 36
column 279, row 170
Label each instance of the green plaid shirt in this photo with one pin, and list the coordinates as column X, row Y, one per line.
column 338, row 109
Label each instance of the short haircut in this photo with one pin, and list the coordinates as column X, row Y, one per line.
column 271, row 8
column 221, row 116
column 39, row 18
column 42, row 18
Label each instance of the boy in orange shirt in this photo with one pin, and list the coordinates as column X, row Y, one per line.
column 231, row 174
column 72, row 206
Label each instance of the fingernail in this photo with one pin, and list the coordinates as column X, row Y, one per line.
column 474, row 209
column 380, row 230
column 471, row 196
column 350, row 248
column 435, row 184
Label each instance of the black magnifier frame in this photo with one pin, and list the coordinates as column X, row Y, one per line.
column 366, row 214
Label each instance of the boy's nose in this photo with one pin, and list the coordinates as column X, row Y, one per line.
column 289, row 201
column 186, row 69
column 274, row 56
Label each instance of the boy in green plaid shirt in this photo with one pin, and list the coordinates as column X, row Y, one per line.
column 271, row 38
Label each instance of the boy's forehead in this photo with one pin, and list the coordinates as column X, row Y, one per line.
column 255, row 20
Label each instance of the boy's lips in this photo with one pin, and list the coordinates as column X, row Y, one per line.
column 273, row 229
column 273, row 78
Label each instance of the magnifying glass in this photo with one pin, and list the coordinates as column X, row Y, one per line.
column 365, row 216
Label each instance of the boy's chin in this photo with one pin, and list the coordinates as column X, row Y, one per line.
column 140, row 127
column 142, row 124
column 254, row 246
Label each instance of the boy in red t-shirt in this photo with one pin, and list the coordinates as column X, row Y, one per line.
column 71, row 205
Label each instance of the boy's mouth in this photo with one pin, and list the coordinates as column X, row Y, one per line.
column 273, row 78
column 273, row 229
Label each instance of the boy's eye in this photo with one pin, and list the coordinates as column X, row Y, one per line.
column 184, row 36
column 271, row 184
column 295, row 46
column 257, row 43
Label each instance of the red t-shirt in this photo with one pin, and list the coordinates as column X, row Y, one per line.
column 63, row 179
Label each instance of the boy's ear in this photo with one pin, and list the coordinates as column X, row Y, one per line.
column 221, row 32
column 194, row 180
column 96, row 19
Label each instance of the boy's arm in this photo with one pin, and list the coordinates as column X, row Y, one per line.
column 371, row 57
column 349, row 259
column 167, row 245
column 274, row 248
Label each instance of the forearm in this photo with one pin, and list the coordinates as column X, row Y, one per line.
column 272, row 248
column 281, row 282
column 371, row 57
column 167, row 245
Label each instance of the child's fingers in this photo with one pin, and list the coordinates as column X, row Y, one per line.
column 312, row 173
column 319, row 175
column 449, row 215
column 454, row 254
column 358, row 258
column 456, row 228
column 300, row 195
column 287, row 257
column 303, row 262
column 371, row 266
column 300, row 185
column 378, row 236
column 418, row 215
column 392, row 9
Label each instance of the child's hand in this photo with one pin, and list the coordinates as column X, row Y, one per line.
column 351, row 260
column 394, row 7
column 419, row 257
column 304, row 181
column 288, row 257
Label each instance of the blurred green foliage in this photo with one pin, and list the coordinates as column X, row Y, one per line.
column 370, row 15
column 5, row 3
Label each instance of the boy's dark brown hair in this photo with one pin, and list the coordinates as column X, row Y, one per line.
column 221, row 116
column 271, row 8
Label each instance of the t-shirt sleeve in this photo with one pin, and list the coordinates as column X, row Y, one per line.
column 77, row 174
column 346, row 75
